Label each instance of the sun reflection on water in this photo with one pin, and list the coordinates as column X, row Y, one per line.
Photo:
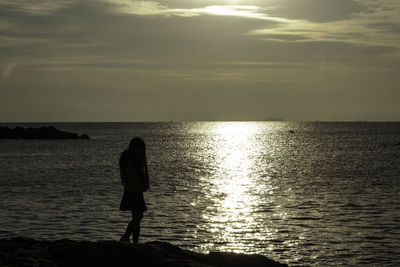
column 231, row 217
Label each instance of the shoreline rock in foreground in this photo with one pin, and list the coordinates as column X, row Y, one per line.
column 50, row 132
column 30, row 252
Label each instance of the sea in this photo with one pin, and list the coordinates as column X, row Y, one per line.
column 302, row 193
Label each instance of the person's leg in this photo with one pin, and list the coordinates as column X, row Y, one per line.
column 128, row 230
column 135, row 226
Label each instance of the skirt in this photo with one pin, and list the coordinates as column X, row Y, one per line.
column 133, row 201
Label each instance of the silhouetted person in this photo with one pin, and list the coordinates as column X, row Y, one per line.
column 135, row 180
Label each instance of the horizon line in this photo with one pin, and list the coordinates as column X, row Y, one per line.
column 188, row 121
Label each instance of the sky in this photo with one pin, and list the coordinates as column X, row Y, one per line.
column 186, row 60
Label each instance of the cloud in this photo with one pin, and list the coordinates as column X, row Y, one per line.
column 8, row 69
column 359, row 22
column 314, row 10
column 137, row 7
column 376, row 24
column 155, row 54
column 149, row 30
column 37, row 7
column 254, row 12
column 155, row 8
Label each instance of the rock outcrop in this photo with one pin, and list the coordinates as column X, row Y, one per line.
column 29, row 252
column 50, row 132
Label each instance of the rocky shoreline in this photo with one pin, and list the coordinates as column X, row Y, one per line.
column 30, row 252
column 50, row 132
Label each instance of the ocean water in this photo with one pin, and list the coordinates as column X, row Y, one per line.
column 320, row 194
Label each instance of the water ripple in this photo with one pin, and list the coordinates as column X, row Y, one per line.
column 326, row 194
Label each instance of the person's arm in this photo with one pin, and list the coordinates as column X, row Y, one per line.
column 146, row 176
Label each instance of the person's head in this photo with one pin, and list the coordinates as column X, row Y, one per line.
column 137, row 146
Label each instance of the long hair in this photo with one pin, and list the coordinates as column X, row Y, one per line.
column 137, row 152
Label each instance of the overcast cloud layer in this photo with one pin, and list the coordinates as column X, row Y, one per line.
column 124, row 60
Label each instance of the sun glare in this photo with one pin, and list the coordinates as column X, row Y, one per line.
column 232, row 10
column 233, row 182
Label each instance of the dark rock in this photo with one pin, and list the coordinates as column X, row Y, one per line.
column 50, row 132
column 84, row 136
column 29, row 252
